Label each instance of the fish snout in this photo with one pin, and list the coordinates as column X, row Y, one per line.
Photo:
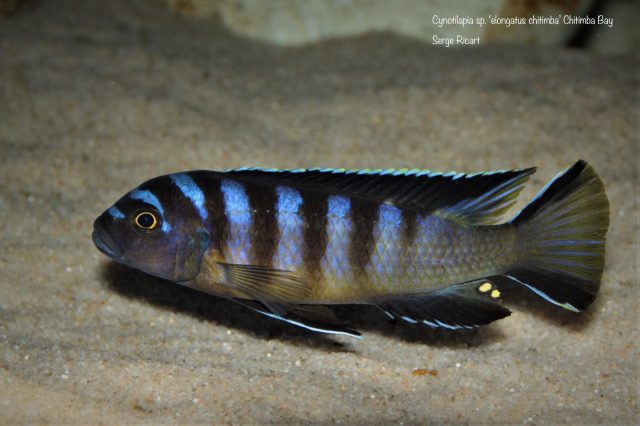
column 104, row 242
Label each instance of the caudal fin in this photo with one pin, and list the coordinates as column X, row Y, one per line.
column 561, row 239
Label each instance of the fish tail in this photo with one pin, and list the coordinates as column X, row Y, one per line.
column 561, row 239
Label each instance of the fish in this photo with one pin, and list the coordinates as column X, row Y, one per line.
column 426, row 247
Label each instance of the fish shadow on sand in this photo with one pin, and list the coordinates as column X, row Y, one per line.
column 367, row 319
column 173, row 297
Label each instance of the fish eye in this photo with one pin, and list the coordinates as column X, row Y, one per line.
column 146, row 221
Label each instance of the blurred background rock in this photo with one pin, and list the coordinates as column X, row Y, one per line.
column 9, row 7
column 293, row 22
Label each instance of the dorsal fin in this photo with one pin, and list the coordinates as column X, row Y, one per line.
column 474, row 198
column 487, row 208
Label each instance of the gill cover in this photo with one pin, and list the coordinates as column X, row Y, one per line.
column 189, row 255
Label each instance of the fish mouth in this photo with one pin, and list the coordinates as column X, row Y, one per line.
column 105, row 244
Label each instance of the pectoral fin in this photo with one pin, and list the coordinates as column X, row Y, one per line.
column 277, row 294
column 273, row 288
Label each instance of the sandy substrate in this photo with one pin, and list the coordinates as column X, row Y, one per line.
column 96, row 97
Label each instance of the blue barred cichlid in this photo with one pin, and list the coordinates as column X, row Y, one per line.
column 425, row 247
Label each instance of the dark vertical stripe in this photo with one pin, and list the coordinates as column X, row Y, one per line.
column 409, row 228
column 264, row 233
column 314, row 213
column 169, row 197
column 362, row 241
column 218, row 222
column 192, row 191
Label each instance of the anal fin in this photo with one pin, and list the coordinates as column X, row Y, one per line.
column 460, row 306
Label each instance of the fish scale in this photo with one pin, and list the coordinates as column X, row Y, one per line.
column 431, row 257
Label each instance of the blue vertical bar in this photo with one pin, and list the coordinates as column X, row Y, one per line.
column 288, row 255
column 236, row 207
column 387, row 250
column 335, row 261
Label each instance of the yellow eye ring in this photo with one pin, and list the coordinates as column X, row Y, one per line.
column 146, row 221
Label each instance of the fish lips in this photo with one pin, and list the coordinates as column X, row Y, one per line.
column 105, row 243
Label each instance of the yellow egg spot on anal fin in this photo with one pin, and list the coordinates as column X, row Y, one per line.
column 495, row 294
column 484, row 287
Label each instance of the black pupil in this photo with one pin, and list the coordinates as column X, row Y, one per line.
column 146, row 220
